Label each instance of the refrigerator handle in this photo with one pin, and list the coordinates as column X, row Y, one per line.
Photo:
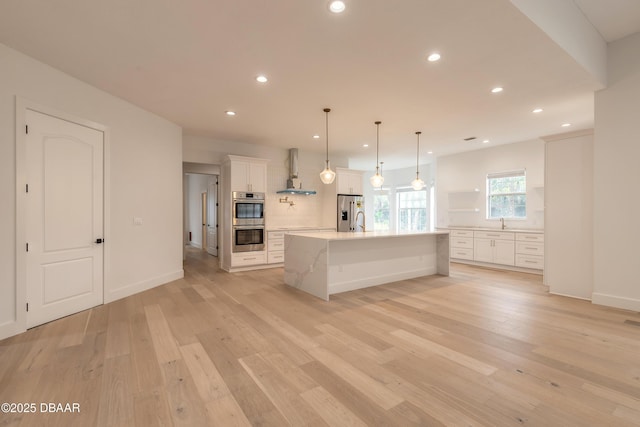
column 351, row 209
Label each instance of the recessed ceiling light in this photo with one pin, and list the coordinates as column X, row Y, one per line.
column 337, row 6
column 429, row 152
column 230, row 113
column 566, row 125
column 316, row 136
column 497, row 90
column 433, row 57
column 537, row 110
column 262, row 78
column 365, row 145
column 486, row 141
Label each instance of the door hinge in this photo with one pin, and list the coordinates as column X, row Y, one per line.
column 27, row 306
column 27, row 187
column 26, row 128
column 27, row 247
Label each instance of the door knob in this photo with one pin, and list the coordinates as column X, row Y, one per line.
column 99, row 241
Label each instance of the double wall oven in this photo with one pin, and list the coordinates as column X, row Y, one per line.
column 248, row 221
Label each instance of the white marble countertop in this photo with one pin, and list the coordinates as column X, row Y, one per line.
column 300, row 228
column 508, row 229
column 360, row 235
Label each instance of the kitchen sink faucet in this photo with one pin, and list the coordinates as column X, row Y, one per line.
column 363, row 220
column 502, row 223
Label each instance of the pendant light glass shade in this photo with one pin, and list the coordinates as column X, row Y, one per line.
column 417, row 184
column 377, row 180
column 327, row 175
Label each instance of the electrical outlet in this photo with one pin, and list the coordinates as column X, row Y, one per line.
column 137, row 221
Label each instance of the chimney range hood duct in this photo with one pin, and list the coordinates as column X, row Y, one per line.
column 294, row 186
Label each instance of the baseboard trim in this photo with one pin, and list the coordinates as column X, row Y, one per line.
column 11, row 328
column 616, row 301
column 144, row 285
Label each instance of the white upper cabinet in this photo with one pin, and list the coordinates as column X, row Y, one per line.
column 348, row 181
column 248, row 174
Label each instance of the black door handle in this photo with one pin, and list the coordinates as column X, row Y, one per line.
column 98, row 241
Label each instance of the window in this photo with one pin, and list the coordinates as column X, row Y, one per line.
column 506, row 195
column 412, row 210
column 381, row 211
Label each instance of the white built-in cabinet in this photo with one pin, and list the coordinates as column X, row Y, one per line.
column 496, row 248
column 248, row 174
column 348, row 181
column 245, row 174
column 522, row 250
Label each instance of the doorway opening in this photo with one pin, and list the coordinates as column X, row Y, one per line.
column 201, row 212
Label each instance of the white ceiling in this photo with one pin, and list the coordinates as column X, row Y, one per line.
column 191, row 60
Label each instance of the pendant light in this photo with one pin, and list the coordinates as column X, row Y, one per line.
column 417, row 183
column 377, row 179
column 327, row 175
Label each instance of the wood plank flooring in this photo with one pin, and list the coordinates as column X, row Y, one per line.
column 478, row 348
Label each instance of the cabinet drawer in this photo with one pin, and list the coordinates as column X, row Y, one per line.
column 530, row 248
column 275, row 245
column 530, row 237
column 248, row 258
column 461, row 253
column 275, row 257
column 495, row 235
column 461, row 233
column 275, row 235
column 462, row 242
column 530, row 261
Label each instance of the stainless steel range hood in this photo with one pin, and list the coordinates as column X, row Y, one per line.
column 294, row 186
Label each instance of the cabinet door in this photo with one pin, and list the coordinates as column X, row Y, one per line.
column 258, row 177
column 349, row 183
column 239, row 176
column 355, row 183
column 342, row 183
column 504, row 252
column 483, row 250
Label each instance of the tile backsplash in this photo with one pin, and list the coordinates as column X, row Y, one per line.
column 306, row 210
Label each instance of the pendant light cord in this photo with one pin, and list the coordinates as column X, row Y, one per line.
column 418, row 155
column 326, row 111
column 377, row 143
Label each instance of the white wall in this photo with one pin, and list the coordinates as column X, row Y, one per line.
column 617, row 175
column 468, row 171
column 568, row 244
column 144, row 179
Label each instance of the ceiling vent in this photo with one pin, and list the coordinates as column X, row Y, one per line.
column 471, row 138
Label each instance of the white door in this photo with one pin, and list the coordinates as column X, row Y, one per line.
column 212, row 220
column 64, row 218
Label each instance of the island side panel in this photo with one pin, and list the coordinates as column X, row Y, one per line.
column 356, row 264
column 443, row 254
column 305, row 264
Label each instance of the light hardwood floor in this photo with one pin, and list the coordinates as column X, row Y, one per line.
column 480, row 347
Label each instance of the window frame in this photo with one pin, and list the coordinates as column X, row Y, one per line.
column 426, row 208
column 523, row 193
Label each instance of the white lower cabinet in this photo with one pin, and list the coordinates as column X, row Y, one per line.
column 494, row 251
column 506, row 248
column 275, row 247
column 530, row 250
column 461, row 243
column 242, row 259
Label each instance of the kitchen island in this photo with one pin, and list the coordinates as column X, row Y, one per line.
column 328, row 263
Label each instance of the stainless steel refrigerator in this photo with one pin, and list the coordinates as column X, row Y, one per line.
column 350, row 212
